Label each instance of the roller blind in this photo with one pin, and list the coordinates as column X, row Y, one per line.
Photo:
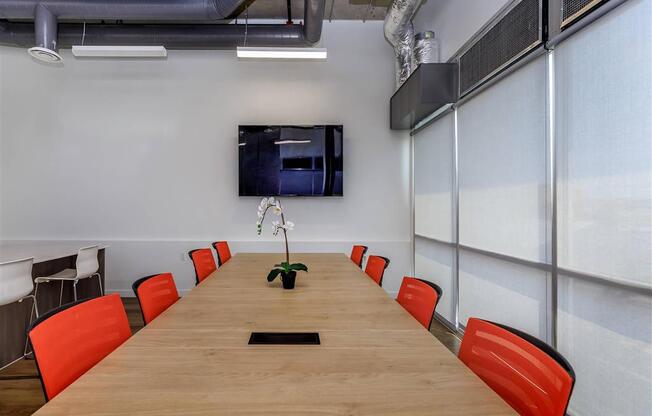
column 604, row 120
column 502, row 166
column 504, row 292
column 605, row 333
column 433, row 180
column 604, row 134
column 434, row 262
column 502, row 200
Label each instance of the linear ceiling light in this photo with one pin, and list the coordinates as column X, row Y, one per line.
column 282, row 53
column 83, row 51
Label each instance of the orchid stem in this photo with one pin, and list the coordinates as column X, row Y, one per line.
column 285, row 234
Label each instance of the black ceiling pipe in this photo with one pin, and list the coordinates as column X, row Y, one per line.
column 289, row 4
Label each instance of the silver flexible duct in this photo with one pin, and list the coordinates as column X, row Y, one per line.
column 399, row 32
column 426, row 48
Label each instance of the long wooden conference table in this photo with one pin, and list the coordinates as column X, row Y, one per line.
column 194, row 359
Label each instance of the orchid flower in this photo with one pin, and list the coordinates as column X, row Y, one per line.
column 284, row 268
column 277, row 226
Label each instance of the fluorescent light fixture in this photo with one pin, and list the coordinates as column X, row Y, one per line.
column 292, row 142
column 83, row 51
column 282, row 53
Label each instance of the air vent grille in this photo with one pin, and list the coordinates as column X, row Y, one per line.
column 572, row 9
column 518, row 31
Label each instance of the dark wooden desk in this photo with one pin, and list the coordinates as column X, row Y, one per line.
column 49, row 258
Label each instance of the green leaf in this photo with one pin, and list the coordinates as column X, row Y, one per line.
column 272, row 274
column 298, row 266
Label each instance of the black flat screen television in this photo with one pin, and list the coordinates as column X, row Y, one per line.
column 290, row 160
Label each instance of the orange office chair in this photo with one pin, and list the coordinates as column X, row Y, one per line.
column 420, row 298
column 155, row 294
column 357, row 254
column 69, row 340
column 202, row 259
column 223, row 252
column 375, row 269
column 527, row 373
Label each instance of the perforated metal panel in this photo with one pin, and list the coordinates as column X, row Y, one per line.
column 518, row 31
column 571, row 10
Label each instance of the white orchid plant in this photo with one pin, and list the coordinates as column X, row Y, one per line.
column 285, row 268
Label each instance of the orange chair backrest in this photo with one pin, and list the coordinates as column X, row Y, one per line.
column 528, row 374
column 155, row 294
column 375, row 268
column 70, row 340
column 357, row 254
column 420, row 298
column 204, row 263
column 223, row 252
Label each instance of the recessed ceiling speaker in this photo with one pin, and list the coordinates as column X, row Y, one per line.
column 45, row 55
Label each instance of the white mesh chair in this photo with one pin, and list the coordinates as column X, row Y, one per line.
column 15, row 286
column 87, row 266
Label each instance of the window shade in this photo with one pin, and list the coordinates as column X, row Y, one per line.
column 604, row 133
column 502, row 166
column 503, row 292
column 434, row 262
column 433, row 180
column 606, row 334
column 604, row 186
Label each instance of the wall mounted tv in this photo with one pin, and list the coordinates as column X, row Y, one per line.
column 290, row 160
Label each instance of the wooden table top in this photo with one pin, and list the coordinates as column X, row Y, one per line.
column 42, row 250
column 374, row 358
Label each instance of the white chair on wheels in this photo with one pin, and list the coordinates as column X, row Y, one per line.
column 87, row 266
column 16, row 285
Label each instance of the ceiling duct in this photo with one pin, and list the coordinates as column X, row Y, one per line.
column 45, row 33
column 313, row 19
column 426, row 48
column 171, row 36
column 399, row 31
column 143, row 10
column 181, row 36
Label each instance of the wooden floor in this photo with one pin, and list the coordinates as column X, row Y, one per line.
column 20, row 388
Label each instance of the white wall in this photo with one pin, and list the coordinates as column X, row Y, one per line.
column 143, row 155
column 455, row 21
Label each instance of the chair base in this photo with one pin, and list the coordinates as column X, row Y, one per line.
column 34, row 310
column 75, row 280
